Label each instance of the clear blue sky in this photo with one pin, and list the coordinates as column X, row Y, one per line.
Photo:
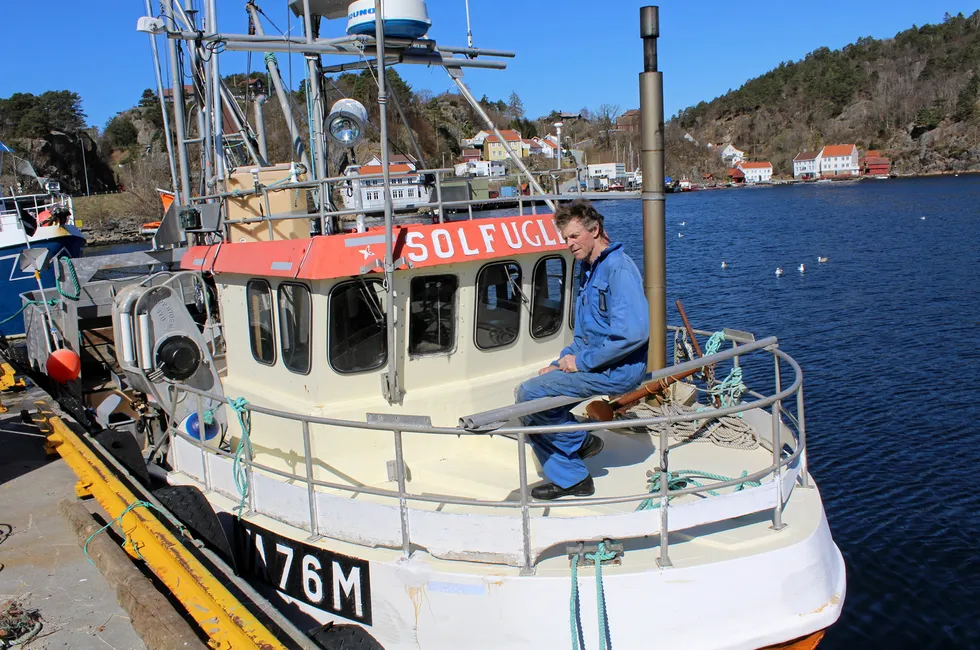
column 571, row 54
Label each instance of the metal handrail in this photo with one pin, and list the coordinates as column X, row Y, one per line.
column 780, row 460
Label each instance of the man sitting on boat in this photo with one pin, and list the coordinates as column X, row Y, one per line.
column 608, row 355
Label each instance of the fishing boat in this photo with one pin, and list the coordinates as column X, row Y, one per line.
column 42, row 221
column 342, row 398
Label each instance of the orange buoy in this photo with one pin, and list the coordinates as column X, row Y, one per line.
column 64, row 366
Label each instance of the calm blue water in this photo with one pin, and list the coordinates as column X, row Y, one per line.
column 888, row 334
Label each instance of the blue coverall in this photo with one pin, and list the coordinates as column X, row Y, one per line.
column 612, row 333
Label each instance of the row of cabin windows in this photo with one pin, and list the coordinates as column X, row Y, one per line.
column 357, row 336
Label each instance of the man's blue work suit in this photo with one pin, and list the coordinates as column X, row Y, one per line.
column 612, row 332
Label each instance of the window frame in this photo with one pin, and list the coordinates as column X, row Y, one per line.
column 329, row 321
column 476, row 305
column 248, row 322
column 561, row 311
column 309, row 356
column 455, row 346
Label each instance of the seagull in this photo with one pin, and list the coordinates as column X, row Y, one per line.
column 923, row 218
column 679, row 235
column 779, row 271
column 802, row 269
column 724, row 265
column 821, row 260
column 683, row 223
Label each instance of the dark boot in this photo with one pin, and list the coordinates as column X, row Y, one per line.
column 549, row 491
column 593, row 445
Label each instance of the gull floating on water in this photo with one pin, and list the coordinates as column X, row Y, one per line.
column 679, row 235
column 683, row 223
column 822, row 259
column 802, row 268
column 923, row 218
column 724, row 265
column 779, row 271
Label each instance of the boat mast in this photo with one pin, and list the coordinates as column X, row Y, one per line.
column 177, row 96
column 654, row 221
column 167, row 135
column 391, row 377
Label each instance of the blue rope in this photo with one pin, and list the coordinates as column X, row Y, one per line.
column 682, row 478
column 714, row 343
column 601, row 555
column 244, row 451
column 126, row 539
column 730, row 390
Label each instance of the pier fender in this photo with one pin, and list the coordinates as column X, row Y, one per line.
column 124, row 448
column 189, row 505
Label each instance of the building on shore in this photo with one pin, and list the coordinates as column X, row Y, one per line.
column 874, row 164
column 407, row 190
column 756, row 172
column 470, row 154
column 605, row 175
column 806, row 165
column 629, row 121
column 729, row 154
column 480, row 168
column 839, row 160
column 493, row 148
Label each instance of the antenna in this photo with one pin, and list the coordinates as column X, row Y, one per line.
column 469, row 32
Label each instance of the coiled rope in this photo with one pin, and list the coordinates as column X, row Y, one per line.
column 684, row 478
column 727, row 431
column 243, row 453
column 601, row 555
column 126, row 539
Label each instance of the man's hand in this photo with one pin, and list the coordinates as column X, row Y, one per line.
column 546, row 370
column 567, row 363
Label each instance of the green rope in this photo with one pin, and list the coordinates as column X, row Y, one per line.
column 135, row 504
column 714, row 343
column 601, row 555
column 683, row 478
column 208, row 417
column 270, row 57
column 244, row 451
column 730, row 390
column 74, row 281
column 51, row 302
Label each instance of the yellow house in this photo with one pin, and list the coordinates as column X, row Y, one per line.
column 493, row 148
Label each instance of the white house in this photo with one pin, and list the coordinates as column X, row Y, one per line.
column 839, row 160
column 807, row 165
column 548, row 147
column 480, row 168
column 756, row 172
column 732, row 156
column 407, row 190
column 476, row 141
column 608, row 173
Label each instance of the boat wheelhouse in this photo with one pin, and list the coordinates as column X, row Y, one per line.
column 340, row 392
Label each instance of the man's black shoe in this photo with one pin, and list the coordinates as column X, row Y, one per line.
column 549, row 491
column 593, row 445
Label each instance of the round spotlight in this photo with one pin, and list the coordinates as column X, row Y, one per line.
column 346, row 122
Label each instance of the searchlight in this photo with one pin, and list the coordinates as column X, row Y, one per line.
column 346, row 122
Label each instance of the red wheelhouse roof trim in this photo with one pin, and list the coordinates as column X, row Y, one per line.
column 338, row 256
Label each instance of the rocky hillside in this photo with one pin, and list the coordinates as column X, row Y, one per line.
column 915, row 96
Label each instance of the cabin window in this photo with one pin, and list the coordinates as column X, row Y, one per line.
column 547, row 296
column 576, row 288
column 357, row 339
column 295, row 322
column 432, row 314
column 258, row 295
column 498, row 309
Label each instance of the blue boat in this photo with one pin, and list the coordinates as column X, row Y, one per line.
column 33, row 221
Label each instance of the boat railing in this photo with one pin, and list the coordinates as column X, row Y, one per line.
column 787, row 467
column 437, row 203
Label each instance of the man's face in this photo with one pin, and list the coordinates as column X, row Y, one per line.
column 581, row 242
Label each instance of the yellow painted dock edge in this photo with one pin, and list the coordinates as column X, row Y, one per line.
column 219, row 614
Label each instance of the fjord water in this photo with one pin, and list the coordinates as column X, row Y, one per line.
column 888, row 335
